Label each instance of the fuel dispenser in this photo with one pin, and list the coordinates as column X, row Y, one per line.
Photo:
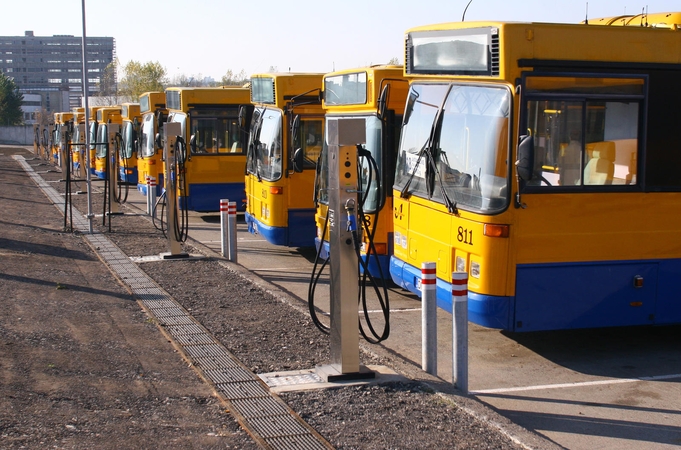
column 111, row 180
column 345, row 140
column 177, row 222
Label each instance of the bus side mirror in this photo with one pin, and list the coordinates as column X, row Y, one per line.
column 157, row 141
column 524, row 166
column 192, row 143
column 298, row 158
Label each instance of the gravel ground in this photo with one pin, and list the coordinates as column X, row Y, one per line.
column 268, row 334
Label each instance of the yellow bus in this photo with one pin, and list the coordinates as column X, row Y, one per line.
column 127, row 157
column 376, row 94
column 92, row 131
column 214, row 157
column 62, row 121
column 78, row 151
column 106, row 116
column 545, row 166
column 149, row 152
column 288, row 117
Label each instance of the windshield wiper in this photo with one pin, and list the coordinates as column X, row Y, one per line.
column 428, row 150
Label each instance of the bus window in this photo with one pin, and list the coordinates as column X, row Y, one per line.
column 589, row 138
column 310, row 140
column 590, row 143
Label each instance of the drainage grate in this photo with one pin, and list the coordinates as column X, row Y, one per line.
column 185, row 320
column 194, row 339
column 196, row 351
column 259, row 407
column 229, row 375
column 275, row 426
column 243, row 390
column 214, row 362
column 179, row 330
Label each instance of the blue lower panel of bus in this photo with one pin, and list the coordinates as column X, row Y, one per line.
column 299, row 233
column 585, row 295
column 486, row 310
column 205, row 197
column 566, row 296
column 130, row 178
column 379, row 266
column 99, row 174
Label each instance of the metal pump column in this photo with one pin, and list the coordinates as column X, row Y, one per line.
column 171, row 131
column 113, row 129
column 343, row 137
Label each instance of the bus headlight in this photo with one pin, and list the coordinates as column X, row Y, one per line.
column 460, row 264
column 475, row 269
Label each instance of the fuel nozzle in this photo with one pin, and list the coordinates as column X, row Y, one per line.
column 352, row 221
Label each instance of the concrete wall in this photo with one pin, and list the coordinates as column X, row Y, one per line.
column 19, row 135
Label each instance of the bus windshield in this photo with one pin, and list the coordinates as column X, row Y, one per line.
column 264, row 157
column 102, row 141
column 147, row 136
column 128, row 140
column 454, row 146
column 93, row 135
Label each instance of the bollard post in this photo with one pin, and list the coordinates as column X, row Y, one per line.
column 151, row 196
column 224, row 224
column 231, row 227
column 149, row 206
column 460, row 330
column 428, row 318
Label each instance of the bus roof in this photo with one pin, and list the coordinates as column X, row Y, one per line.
column 366, row 97
column 183, row 98
column 655, row 20
column 280, row 88
column 109, row 113
column 129, row 111
column 151, row 101
column 498, row 49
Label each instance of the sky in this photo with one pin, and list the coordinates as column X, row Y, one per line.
column 206, row 38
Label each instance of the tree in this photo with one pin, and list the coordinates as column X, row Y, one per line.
column 232, row 79
column 394, row 61
column 108, row 85
column 10, row 102
column 140, row 78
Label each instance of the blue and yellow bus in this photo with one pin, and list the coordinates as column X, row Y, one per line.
column 287, row 123
column 62, row 121
column 377, row 95
column 127, row 156
column 78, row 149
column 149, row 151
column 106, row 116
column 215, row 136
column 547, row 168
column 92, row 131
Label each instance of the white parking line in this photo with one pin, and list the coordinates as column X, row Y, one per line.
column 569, row 385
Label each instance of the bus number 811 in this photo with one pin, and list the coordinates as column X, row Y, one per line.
column 465, row 236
